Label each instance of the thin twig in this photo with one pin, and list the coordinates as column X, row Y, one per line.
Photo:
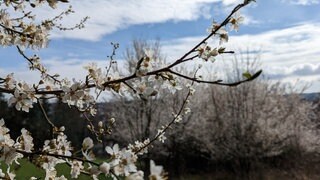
column 14, row 31
column 115, row 47
column 45, row 114
column 46, row 117
column 30, row 61
column 135, row 91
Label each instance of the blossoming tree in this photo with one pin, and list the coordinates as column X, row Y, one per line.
column 19, row 28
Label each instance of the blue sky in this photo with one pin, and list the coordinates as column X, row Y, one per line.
column 286, row 31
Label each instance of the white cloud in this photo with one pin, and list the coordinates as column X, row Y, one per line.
column 298, row 70
column 286, row 46
column 302, row 2
column 108, row 16
column 279, row 47
column 285, row 53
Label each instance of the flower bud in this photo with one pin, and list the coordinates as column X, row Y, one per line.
column 100, row 124
column 94, row 170
column 112, row 120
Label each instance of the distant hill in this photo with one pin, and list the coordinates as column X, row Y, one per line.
column 311, row 96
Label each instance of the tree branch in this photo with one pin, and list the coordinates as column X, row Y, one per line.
column 217, row 82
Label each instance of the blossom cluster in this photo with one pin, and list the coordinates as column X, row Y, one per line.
column 77, row 95
column 23, row 96
column 9, row 148
column 59, row 150
column 20, row 30
column 205, row 51
column 148, row 85
column 17, row 32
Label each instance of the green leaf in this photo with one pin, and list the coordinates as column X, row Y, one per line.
column 247, row 75
column 250, row 76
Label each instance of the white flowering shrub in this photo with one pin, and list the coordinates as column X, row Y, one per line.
column 19, row 27
column 243, row 127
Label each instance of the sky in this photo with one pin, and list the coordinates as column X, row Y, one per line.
column 284, row 34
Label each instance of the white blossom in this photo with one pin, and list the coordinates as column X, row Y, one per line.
column 177, row 118
column 223, row 35
column 87, row 143
column 156, row 172
column 23, row 97
column 127, row 163
column 115, row 154
column 25, row 141
column 104, row 168
column 60, row 145
column 2, row 175
column 8, row 153
column 10, row 82
column 160, row 135
column 73, row 93
column 11, row 174
column 142, row 147
column 76, row 168
column 52, row 175
column 135, row 176
column 187, row 110
column 207, row 53
column 235, row 21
